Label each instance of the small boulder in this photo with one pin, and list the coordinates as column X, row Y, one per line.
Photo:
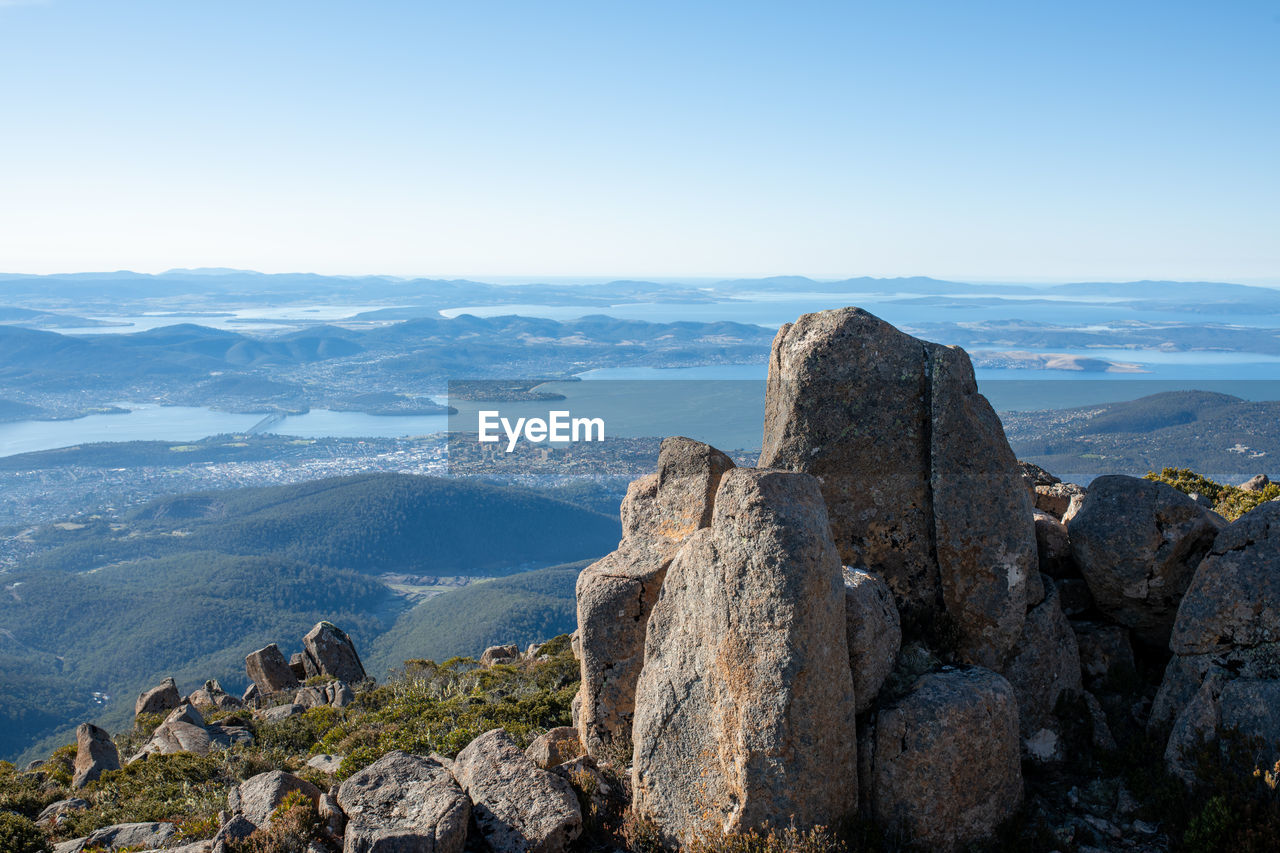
column 163, row 697
column 519, row 807
column 257, row 797
column 944, row 790
column 1060, row 500
column 1138, row 542
column 403, row 803
column 500, row 654
column 874, row 633
column 1257, row 483
column 325, row 763
column 329, row 651
column 95, row 754
column 298, row 663
column 270, row 671
column 138, row 836
column 280, row 712
column 53, row 813
column 310, row 697
column 555, row 747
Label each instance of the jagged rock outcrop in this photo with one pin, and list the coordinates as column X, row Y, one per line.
column 1138, row 542
column 944, row 767
column 518, row 807
column 745, row 704
column 212, row 694
column 403, row 803
column 257, row 797
column 873, row 632
column 1049, row 494
column 615, row 594
column 555, row 747
column 329, row 651
column 919, row 481
column 269, row 670
column 157, row 700
column 95, row 754
column 1044, row 668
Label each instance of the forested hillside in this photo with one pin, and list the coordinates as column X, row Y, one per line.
column 187, row 585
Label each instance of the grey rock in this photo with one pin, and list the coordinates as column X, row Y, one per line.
column 404, row 804
column 237, row 828
column 339, row 694
column 1033, row 475
column 873, row 631
column 1234, row 598
column 1060, row 500
column 95, row 754
column 177, row 736
column 1105, row 650
column 919, row 481
column 270, row 671
column 163, row 697
column 280, row 712
column 1075, row 597
column 1257, row 483
column 329, row 651
column 1044, row 668
column 746, row 685
column 251, row 694
column 943, row 790
column 1053, row 546
column 298, row 663
column 616, row 594
column 518, row 807
column 53, row 813
column 310, row 697
column 258, row 796
column 500, row 654
column 147, row 836
column 325, row 763
column 555, row 747
column 1138, row 542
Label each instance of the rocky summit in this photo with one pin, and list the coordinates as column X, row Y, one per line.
column 889, row 635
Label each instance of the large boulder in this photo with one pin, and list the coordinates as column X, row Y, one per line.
column 95, row 754
column 919, row 481
column 873, row 631
column 519, row 807
column 1226, row 641
column 329, row 650
column 1044, row 668
column 553, row 748
column 745, row 706
column 157, row 700
column 1234, row 598
column 269, row 670
column 1138, row 542
column 258, row 796
column 616, row 593
column 945, row 769
column 404, row 803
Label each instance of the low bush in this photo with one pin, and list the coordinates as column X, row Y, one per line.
column 1230, row 502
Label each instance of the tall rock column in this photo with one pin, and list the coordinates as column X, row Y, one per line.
column 616, row 593
column 745, row 706
column 919, row 481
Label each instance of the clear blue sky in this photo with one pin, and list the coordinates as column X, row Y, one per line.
column 981, row 140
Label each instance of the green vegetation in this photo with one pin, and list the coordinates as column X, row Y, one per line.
column 443, row 707
column 516, row 609
column 1230, row 502
column 295, row 823
column 428, row 708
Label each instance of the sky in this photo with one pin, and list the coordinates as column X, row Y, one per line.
column 1043, row 141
